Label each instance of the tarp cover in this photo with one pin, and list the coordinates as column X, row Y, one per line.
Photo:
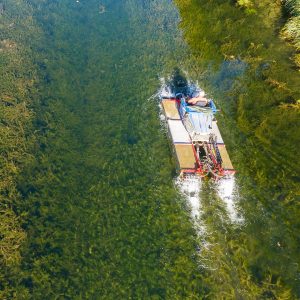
column 200, row 122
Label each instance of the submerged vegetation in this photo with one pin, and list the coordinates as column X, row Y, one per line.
column 291, row 30
column 96, row 197
column 88, row 207
column 247, row 67
column 18, row 74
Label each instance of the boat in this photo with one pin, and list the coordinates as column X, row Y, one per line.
column 195, row 137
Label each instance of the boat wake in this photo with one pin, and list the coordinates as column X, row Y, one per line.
column 228, row 193
column 190, row 188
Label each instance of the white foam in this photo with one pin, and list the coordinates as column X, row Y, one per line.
column 164, row 91
column 227, row 191
column 190, row 188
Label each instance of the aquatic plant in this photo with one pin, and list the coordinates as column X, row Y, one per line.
column 249, row 72
column 291, row 30
column 18, row 73
column 97, row 201
column 92, row 186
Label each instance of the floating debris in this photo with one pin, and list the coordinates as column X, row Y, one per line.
column 2, row 8
column 102, row 9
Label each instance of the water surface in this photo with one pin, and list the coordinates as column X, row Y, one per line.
column 104, row 220
column 103, row 216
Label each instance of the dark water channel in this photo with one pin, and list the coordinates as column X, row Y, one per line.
column 104, row 219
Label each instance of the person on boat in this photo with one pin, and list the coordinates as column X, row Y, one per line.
column 199, row 100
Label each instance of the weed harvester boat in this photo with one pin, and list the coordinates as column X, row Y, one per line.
column 196, row 138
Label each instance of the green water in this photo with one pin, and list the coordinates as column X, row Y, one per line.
column 246, row 66
column 99, row 206
column 103, row 218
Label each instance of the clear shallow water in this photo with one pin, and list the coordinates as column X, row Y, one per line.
column 103, row 216
column 252, row 77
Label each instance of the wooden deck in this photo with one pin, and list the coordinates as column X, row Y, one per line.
column 170, row 108
column 185, row 156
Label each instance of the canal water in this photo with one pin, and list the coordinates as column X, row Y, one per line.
column 105, row 215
